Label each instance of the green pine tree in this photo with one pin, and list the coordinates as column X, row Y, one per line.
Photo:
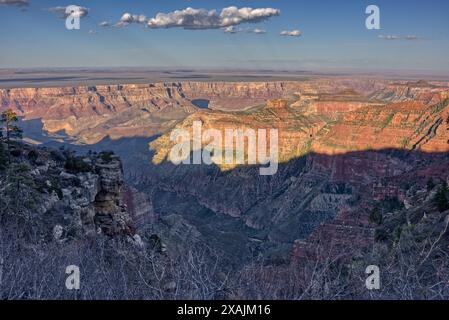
column 11, row 130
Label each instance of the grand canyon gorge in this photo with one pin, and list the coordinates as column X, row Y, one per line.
column 222, row 159
column 360, row 163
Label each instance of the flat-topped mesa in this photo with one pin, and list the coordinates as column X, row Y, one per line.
column 88, row 101
column 428, row 94
column 331, row 105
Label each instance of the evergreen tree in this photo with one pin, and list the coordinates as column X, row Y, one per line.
column 9, row 129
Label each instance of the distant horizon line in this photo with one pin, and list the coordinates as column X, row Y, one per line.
column 229, row 69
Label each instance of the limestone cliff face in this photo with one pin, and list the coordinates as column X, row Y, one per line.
column 60, row 103
column 95, row 198
column 110, row 213
column 237, row 95
column 334, row 124
column 67, row 196
column 295, row 131
column 420, row 91
column 406, row 125
column 92, row 113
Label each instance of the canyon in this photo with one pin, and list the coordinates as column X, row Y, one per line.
column 345, row 146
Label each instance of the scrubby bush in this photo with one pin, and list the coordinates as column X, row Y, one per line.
column 16, row 153
column 106, row 156
column 441, row 199
column 392, row 204
column 33, row 155
column 57, row 155
column 75, row 165
column 376, row 216
column 430, row 184
column 380, row 234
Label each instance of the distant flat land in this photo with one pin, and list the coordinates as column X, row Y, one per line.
column 36, row 78
column 59, row 78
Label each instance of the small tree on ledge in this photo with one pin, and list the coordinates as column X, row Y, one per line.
column 10, row 129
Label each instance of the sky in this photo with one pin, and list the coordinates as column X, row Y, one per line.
column 317, row 35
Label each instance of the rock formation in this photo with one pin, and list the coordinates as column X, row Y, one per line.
column 67, row 195
column 343, row 143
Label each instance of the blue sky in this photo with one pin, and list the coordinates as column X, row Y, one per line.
column 333, row 36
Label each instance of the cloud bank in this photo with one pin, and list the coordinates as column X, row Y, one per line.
column 195, row 19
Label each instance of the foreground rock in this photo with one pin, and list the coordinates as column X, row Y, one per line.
column 64, row 195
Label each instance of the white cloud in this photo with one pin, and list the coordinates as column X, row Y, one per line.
column 232, row 29
column 191, row 18
column 16, row 3
column 105, row 24
column 128, row 18
column 259, row 31
column 77, row 12
column 188, row 19
column 293, row 33
column 232, row 16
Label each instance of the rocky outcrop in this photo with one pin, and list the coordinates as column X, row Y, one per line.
column 95, row 197
column 67, row 196
column 110, row 213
